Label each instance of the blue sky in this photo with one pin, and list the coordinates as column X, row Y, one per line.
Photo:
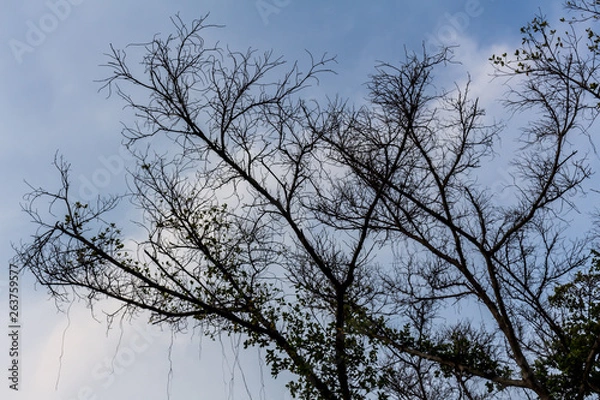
column 49, row 102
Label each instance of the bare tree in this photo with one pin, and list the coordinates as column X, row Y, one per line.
column 337, row 237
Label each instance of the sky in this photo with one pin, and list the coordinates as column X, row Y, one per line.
column 51, row 52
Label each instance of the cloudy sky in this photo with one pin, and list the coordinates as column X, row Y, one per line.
column 50, row 57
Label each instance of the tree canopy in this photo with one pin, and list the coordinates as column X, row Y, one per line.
column 348, row 241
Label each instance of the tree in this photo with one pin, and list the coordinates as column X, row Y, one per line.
column 574, row 357
column 339, row 238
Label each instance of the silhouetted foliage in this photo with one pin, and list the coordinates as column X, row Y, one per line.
column 349, row 242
